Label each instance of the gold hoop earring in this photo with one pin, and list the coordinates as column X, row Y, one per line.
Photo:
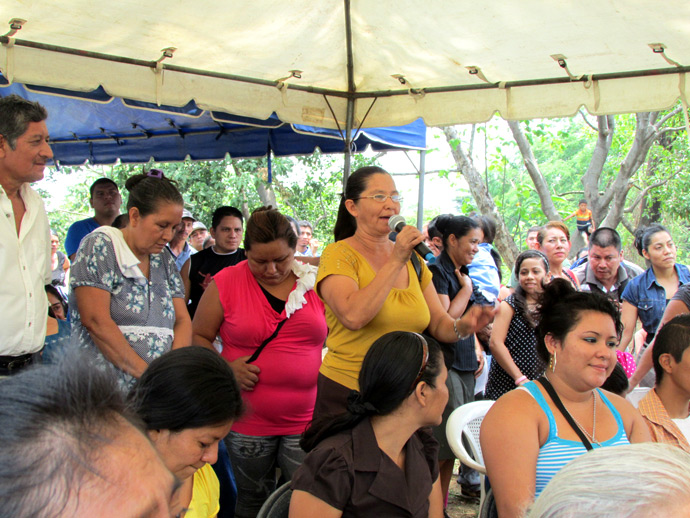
column 552, row 362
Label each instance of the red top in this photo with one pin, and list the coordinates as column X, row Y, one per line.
column 282, row 402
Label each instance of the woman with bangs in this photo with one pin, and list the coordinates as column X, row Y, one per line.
column 554, row 241
column 532, row 432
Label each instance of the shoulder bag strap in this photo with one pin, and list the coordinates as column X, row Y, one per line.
column 559, row 404
column 256, row 354
column 417, row 265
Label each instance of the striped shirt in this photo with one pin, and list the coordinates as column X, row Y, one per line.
column 557, row 452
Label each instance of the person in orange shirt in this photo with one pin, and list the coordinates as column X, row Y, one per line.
column 585, row 222
column 665, row 407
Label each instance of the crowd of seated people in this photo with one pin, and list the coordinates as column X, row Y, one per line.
column 247, row 367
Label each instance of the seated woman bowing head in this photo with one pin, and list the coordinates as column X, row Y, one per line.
column 526, row 438
column 127, row 299
column 272, row 326
column 372, row 285
column 378, row 459
column 188, row 400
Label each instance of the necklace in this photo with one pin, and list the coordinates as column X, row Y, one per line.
column 594, row 421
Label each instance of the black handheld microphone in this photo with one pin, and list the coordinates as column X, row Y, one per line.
column 396, row 224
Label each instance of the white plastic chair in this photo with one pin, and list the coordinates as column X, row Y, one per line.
column 467, row 419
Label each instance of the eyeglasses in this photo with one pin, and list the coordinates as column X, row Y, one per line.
column 425, row 360
column 381, row 198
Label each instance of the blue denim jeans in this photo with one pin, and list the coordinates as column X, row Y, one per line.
column 254, row 460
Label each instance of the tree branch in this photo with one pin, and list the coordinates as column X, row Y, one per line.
column 644, row 192
column 584, row 117
column 547, row 206
column 669, row 130
column 628, row 226
column 666, row 117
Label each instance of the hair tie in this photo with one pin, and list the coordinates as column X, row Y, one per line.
column 357, row 406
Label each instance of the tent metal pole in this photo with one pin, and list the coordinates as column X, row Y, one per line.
column 350, row 116
column 420, row 198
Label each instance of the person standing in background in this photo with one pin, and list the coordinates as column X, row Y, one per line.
column 105, row 200
column 197, row 273
column 178, row 246
column 198, row 236
column 24, row 232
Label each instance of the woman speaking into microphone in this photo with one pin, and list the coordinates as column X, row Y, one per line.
column 372, row 286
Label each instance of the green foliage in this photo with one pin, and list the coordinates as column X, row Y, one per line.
column 307, row 188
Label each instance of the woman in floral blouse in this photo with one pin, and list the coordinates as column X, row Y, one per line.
column 127, row 298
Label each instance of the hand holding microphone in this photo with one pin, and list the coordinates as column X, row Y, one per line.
column 397, row 223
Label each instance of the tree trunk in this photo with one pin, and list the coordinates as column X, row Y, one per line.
column 503, row 242
column 590, row 180
column 646, row 133
column 547, row 206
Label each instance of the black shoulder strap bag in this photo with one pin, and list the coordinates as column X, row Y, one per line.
column 256, row 354
column 559, row 404
column 417, row 265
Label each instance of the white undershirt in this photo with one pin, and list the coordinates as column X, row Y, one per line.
column 684, row 425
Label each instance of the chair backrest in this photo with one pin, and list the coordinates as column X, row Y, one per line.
column 277, row 505
column 467, row 420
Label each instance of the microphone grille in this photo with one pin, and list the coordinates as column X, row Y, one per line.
column 395, row 221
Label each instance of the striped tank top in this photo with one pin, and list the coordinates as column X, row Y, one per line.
column 557, row 452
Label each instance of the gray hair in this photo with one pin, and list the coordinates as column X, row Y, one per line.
column 632, row 481
column 15, row 115
column 56, row 420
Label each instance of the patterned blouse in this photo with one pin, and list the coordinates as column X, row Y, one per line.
column 142, row 308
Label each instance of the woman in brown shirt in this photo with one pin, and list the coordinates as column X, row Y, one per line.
column 378, row 459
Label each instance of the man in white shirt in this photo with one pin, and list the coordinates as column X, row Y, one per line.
column 24, row 232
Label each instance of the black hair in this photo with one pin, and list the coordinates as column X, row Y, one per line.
column 266, row 225
column 458, row 226
column 186, row 388
column 386, row 380
column 488, row 227
column 345, row 224
column 148, row 190
column 617, row 382
column 55, row 293
column 520, row 296
column 433, row 230
column 673, row 338
column 582, row 200
column 294, row 224
column 643, row 236
column 102, row 181
column 16, row 113
column 560, row 309
column 57, row 421
column 535, row 228
column 223, row 212
column 603, row 237
column 121, row 221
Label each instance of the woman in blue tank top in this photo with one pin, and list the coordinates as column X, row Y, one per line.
column 525, row 438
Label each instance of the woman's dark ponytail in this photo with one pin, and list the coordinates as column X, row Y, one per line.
column 345, row 224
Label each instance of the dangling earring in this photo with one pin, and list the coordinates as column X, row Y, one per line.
column 552, row 362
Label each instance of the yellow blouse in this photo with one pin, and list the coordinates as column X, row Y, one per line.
column 205, row 494
column 403, row 310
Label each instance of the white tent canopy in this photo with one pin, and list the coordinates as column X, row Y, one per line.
column 447, row 62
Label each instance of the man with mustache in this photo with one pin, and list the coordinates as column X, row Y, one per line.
column 24, row 232
column 605, row 268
